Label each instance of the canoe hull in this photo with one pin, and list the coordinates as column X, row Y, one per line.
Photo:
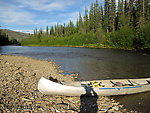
column 48, row 87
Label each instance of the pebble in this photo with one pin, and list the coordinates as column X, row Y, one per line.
column 25, row 99
column 18, row 83
column 115, row 108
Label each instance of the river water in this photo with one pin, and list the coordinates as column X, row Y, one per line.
column 96, row 64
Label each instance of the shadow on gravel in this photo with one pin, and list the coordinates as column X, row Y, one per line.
column 89, row 101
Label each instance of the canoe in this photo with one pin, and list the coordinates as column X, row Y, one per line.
column 95, row 87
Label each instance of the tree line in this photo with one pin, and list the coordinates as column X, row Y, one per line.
column 122, row 25
column 4, row 39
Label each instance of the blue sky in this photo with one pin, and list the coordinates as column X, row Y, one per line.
column 25, row 15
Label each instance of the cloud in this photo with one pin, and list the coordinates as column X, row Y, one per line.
column 47, row 5
column 25, row 31
column 12, row 15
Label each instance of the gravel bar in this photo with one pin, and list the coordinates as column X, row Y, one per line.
column 19, row 77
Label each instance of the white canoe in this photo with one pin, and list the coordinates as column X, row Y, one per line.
column 94, row 88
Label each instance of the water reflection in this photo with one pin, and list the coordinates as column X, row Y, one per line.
column 137, row 102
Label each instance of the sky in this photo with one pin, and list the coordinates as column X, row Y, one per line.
column 26, row 15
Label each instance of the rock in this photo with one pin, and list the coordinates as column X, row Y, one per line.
column 71, row 111
column 121, row 106
column 57, row 111
column 18, row 68
column 34, row 74
column 26, row 99
column 19, row 91
column 115, row 108
column 29, row 102
column 103, row 109
column 114, row 103
column 7, row 63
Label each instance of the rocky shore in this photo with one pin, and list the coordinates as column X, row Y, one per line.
column 19, row 77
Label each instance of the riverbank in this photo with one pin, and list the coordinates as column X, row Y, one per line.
column 19, row 79
column 95, row 46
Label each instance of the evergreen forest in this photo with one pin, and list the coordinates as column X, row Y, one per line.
column 125, row 25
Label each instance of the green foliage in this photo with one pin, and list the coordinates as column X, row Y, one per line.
column 142, row 40
column 122, row 38
column 100, row 36
column 72, row 40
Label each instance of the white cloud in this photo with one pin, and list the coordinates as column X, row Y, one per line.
column 47, row 5
column 12, row 15
column 25, row 31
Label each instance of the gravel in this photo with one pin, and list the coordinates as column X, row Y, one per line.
column 18, row 90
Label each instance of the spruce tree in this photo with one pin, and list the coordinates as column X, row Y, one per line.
column 131, row 12
column 102, row 15
column 107, row 16
column 40, row 33
column 81, row 28
column 36, row 31
column 71, row 28
column 77, row 26
column 68, row 29
column 96, row 15
column 58, row 31
column 47, row 31
column 64, row 30
column 126, row 7
column 86, row 21
column 91, row 18
column 52, row 31
column 61, row 30
column 120, row 14
column 113, row 15
column 139, row 14
column 147, row 9
column 55, row 30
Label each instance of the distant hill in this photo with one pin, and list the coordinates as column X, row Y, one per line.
column 15, row 35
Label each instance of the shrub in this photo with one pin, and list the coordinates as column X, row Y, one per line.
column 122, row 38
column 142, row 40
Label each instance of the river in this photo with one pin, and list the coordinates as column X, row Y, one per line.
column 96, row 64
